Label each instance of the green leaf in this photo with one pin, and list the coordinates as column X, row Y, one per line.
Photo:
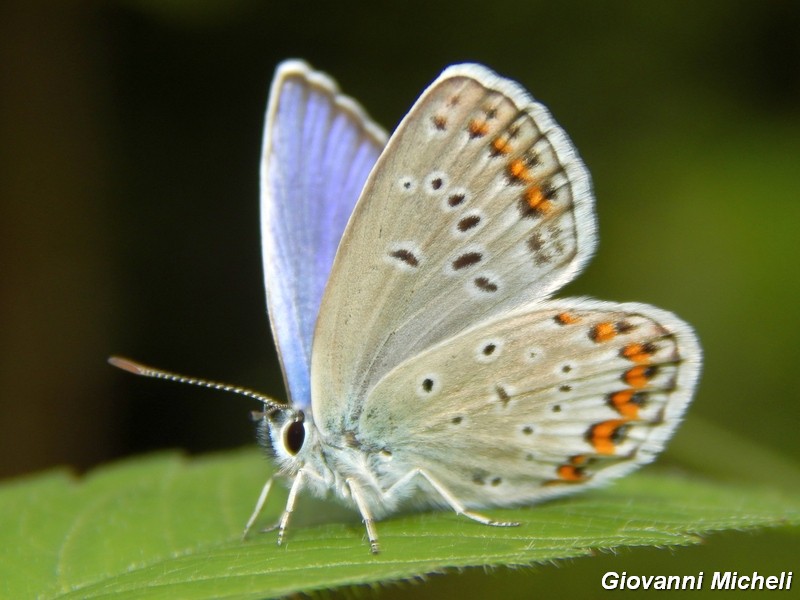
column 168, row 527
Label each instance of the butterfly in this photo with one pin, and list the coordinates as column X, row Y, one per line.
column 409, row 286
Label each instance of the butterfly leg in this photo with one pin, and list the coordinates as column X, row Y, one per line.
column 262, row 499
column 290, row 502
column 366, row 515
column 448, row 497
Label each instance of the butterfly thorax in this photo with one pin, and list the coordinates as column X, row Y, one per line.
column 330, row 464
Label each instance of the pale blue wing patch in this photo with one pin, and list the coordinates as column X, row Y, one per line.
column 319, row 147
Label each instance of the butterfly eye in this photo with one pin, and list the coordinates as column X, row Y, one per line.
column 293, row 437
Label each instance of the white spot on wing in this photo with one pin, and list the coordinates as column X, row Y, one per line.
column 455, row 199
column 404, row 255
column 566, row 370
column 489, row 350
column 466, row 260
column 483, row 285
column 468, row 224
column 406, row 184
column 532, row 355
column 428, row 385
column 436, row 183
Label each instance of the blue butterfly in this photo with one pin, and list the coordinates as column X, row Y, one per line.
column 408, row 283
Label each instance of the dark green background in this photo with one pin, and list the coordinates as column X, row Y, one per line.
column 129, row 146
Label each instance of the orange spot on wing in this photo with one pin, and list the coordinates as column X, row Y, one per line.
column 440, row 122
column 604, row 436
column 571, row 473
column 477, row 128
column 578, row 459
column 639, row 376
column 566, row 318
column 536, row 199
column 621, row 401
column 518, row 171
column 603, row 332
column 500, row 146
column 635, row 352
column 639, row 353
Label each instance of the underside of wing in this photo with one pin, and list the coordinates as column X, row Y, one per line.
column 319, row 147
column 478, row 205
column 566, row 395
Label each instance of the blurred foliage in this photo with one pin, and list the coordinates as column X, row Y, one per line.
column 131, row 530
column 128, row 202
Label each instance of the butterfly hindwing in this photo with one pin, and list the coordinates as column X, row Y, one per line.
column 543, row 401
column 478, row 204
column 319, row 147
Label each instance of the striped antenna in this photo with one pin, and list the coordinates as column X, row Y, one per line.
column 139, row 369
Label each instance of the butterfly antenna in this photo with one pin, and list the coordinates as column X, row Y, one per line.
column 139, row 369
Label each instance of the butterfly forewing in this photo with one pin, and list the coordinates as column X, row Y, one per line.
column 319, row 147
column 540, row 402
column 478, row 204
